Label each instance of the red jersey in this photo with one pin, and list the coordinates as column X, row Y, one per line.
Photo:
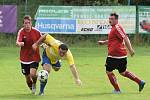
column 27, row 54
column 116, row 45
column 146, row 27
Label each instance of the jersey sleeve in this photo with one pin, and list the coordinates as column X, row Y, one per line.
column 120, row 32
column 49, row 39
column 20, row 36
column 69, row 58
column 39, row 34
column 52, row 41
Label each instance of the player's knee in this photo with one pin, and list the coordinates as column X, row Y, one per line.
column 33, row 75
column 48, row 70
column 47, row 67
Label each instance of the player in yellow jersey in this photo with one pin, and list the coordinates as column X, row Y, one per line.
column 52, row 55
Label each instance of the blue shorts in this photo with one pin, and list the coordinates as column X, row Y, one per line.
column 46, row 60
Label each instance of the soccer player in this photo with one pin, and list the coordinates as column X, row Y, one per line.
column 28, row 57
column 117, row 54
column 52, row 56
column 145, row 25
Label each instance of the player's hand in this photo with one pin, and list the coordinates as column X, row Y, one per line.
column 20, row 44
column 78, row 82
column 43, row 45
column 101, row 42
column 34, row 46
column 132, row 52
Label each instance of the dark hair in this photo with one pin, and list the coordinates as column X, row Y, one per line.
column 28, row 17
column 63, row 47
column 114, row 14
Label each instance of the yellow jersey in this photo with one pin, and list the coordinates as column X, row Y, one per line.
column 52, row 50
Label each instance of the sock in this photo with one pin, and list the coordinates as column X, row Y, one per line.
column 29, row 83
column 42, row 86
column 33, row 86
column 113, row 81
column 34, row 79
column 132, row 77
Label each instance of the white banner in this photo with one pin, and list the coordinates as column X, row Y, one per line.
column 84, row 19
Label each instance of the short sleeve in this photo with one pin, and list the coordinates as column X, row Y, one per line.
column 38, row 33
column 120, row 32
column 20, row 36
column 69, row 58
column 49, row 39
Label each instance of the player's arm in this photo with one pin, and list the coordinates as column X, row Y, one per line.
column 47, row 39
column 102, row 42
column 73, row 67
column 128, row 45
column 41, row 39
column 122, row 35
column 75, row 74
column 37, row 43
column 19, row 42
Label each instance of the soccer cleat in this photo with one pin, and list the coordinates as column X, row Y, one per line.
column 141, row 85
column 33, row 88
column 41, row 93
column 116, row 92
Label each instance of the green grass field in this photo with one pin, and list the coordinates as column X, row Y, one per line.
column 90, row 64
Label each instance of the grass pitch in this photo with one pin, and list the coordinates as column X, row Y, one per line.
column 90, row 65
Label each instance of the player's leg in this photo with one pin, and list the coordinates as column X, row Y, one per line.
column 33, row 74
column 29, row 81
column 134, row 78
column 33, row 71
column 46, row 66
column 26, row 71
column 110, row 66
column 113, row 81
column 130, row 75
column 57, row 66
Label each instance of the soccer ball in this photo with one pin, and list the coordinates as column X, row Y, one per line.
column 42, row 75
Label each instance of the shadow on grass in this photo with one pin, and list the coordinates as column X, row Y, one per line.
column 18, row 97
column 102, row 94
column 73, row 96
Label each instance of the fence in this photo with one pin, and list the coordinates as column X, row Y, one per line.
column 140, row 36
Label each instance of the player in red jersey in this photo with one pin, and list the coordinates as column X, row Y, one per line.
column 145, row 25
column 29, row 58
column 117, row 54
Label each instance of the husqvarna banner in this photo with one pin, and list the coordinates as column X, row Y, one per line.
column 83, row 19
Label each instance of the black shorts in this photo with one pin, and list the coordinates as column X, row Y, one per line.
column 26, row 67
column 114, row 63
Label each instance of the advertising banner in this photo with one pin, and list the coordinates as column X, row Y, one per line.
column 8, row 18
column 56, row 25
column 144, row 19
column 87, row 19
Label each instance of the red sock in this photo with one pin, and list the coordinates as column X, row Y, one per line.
column 29, row 85
column 113, row 81
column 132, row 77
